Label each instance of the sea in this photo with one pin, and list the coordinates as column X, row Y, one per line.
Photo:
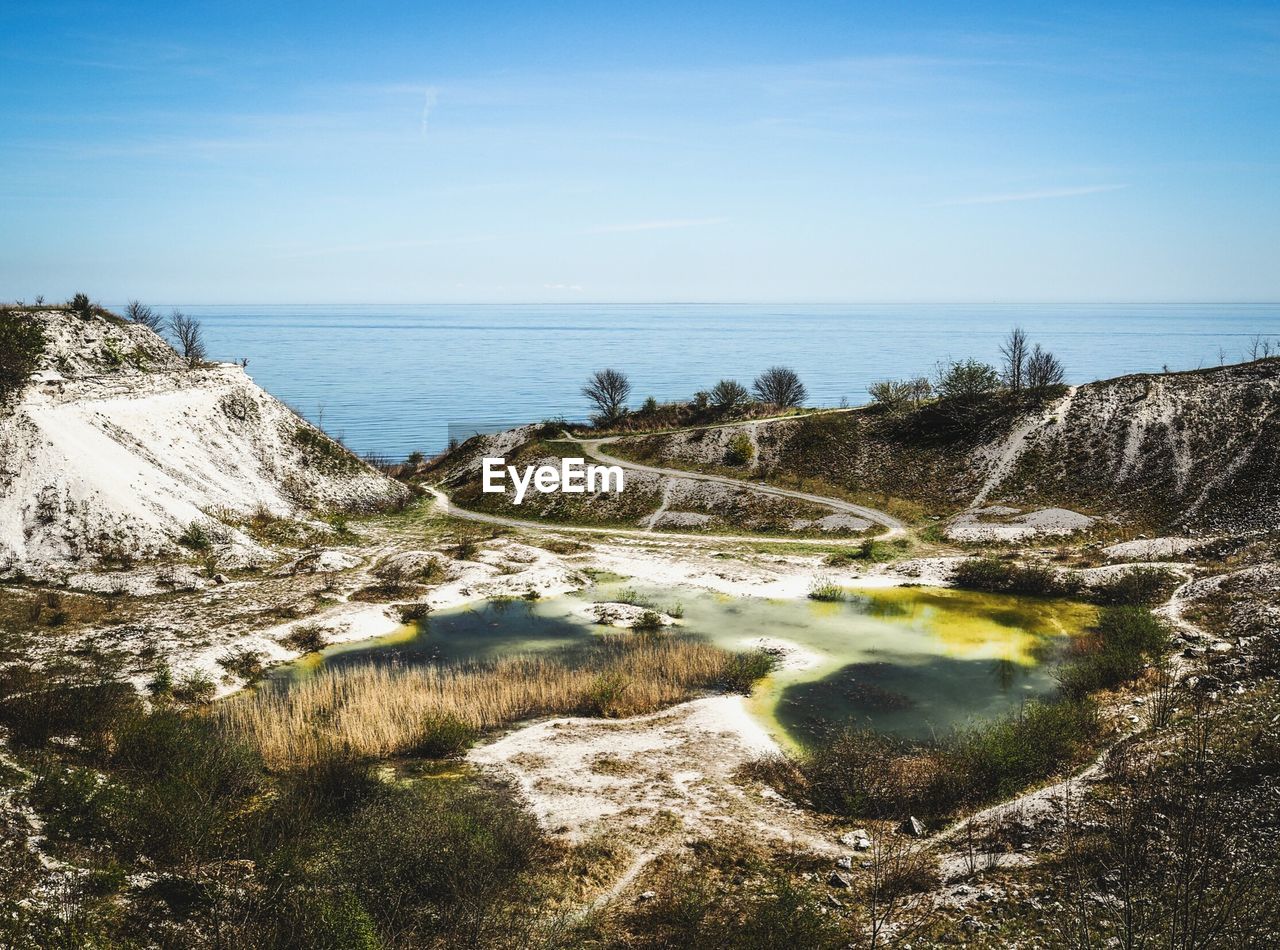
column 390, row 380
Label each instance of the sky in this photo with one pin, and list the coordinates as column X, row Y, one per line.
column 437, row 152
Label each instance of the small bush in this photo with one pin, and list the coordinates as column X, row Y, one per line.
column 604, row 697
column 825, row 589
column 741, row 451
column 729, row 395
column 194, row 688
column 438, row 859
column 196, row 538
column 161, row 682
column 306, row 638
column 1005, row 577
column 444, row 736
column 21, row 344
column 1142, row 587
column 414, row 613
column 244, row 663
column 649, row 622
column 743, row 670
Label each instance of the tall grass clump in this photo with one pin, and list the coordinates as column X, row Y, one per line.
column 825, row 589
column 438, row 710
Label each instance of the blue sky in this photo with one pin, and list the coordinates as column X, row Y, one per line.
column 423, row 152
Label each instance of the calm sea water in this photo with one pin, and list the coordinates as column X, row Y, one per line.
column 392, row 379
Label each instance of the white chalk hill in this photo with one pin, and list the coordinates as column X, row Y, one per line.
column 116, row 447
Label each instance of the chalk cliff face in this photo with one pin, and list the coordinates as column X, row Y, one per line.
column 116, row 448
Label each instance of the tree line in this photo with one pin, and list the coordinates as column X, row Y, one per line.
column 609, row 389
column 1025, row 368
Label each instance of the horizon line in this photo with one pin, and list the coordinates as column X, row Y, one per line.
column 726, row 303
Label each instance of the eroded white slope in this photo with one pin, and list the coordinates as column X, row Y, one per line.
column 120, row 463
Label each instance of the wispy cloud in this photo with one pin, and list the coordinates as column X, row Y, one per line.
column 429, row 97
column 1041, row 194
column 576, row 288
column 666, row 224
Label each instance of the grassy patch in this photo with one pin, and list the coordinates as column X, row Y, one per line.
column 1124, row 642
column 377, row 711
column 865, row 774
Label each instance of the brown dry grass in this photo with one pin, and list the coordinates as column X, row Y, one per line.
column 381, row 711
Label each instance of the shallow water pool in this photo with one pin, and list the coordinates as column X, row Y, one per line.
column 909, row 660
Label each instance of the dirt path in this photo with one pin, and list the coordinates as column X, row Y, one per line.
column 447, row 507
column 592, row 447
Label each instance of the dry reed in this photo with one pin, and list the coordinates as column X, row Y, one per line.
column 383, row 711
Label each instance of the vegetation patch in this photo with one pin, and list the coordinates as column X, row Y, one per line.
column 380, row 711
column 22, row 344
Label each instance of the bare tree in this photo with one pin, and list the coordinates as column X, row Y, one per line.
column 1259, row 347
column 608, row 389
column 780, row 386
column 1014, row 353
column 1043, row 370
column 729, row 394
column 139, row 312
column 189, row 337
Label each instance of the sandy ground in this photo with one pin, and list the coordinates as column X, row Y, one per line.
column 1002, row 523
column 583, row 778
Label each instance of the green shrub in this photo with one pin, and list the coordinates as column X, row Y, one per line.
column 741, row 451
column 195, row 537
column 864, row 774
column 998, row 759
column 188, row 788
column 1124, row 642
column 605, row 695
column 1142, row 587
column 825, row 590
column 21, row 344
column 244, row 663
column 1006, row 577
column 161, row 682
column 437, row 859
column 649, row 622
column 964, row 380
column 194, row 688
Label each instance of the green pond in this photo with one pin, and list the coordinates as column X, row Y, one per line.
column 907, row 660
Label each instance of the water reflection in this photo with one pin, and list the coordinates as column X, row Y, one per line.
column 905, row 660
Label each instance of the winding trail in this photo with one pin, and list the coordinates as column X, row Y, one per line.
column 592, row 447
